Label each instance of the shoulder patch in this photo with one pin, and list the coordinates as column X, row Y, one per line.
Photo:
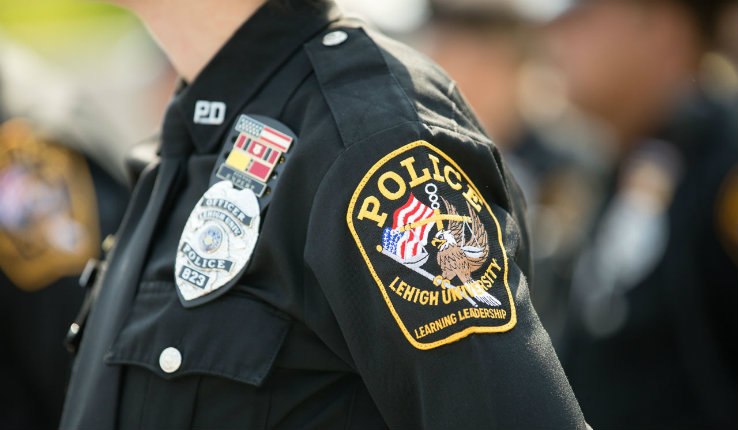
column 433, row 245
column 49, row 224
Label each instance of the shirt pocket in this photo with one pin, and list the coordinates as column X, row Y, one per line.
column 235, row 336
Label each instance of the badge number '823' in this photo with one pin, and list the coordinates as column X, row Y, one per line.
column 433, row 246
column 193, row 276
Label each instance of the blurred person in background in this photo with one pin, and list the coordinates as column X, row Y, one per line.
column 492, row 49
column 60, row 195
column 651, row 339
column 80, row 82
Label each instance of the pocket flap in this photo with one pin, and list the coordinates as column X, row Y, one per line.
column 235, row 336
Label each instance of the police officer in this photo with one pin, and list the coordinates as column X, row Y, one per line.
column 651, row 336
column 327, row 239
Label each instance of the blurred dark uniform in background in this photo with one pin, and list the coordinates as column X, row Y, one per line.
column 653, row 328
column 651, row 338
column 57, row 203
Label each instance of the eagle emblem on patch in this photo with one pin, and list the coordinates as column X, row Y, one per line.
column 433, row 246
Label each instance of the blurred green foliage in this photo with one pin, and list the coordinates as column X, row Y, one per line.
column 64, row 29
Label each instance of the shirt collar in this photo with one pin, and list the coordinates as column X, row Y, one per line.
column 237, row 72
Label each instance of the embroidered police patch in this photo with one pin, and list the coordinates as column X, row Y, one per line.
column 217, row 242
column 434, row 247
column 49, row 225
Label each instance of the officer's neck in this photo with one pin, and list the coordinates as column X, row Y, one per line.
column 192, row 31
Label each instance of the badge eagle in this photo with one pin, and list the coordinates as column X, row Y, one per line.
column 459, row 256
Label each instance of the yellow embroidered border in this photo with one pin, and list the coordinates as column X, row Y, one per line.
column 466, row 332
column 726, row 213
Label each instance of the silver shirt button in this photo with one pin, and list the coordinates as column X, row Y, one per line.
column 170, row 360
column 335, row 38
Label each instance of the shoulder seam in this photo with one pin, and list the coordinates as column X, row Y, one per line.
column 330, row 79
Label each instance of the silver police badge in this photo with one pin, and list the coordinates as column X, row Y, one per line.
column 217, row 242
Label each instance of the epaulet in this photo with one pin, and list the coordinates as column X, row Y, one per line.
column 361, row 91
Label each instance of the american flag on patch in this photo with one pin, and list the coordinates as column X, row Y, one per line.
column 258, row 130
column 408, row 244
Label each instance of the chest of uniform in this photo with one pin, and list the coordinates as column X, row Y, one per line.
column 166, row 236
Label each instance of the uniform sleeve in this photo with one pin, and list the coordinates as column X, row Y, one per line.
column 412, row 242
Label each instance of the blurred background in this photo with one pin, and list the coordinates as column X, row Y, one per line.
column 618, row 118
column 80, row 84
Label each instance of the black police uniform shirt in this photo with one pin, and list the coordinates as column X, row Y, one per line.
column 659, row 331
column 387, row 287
